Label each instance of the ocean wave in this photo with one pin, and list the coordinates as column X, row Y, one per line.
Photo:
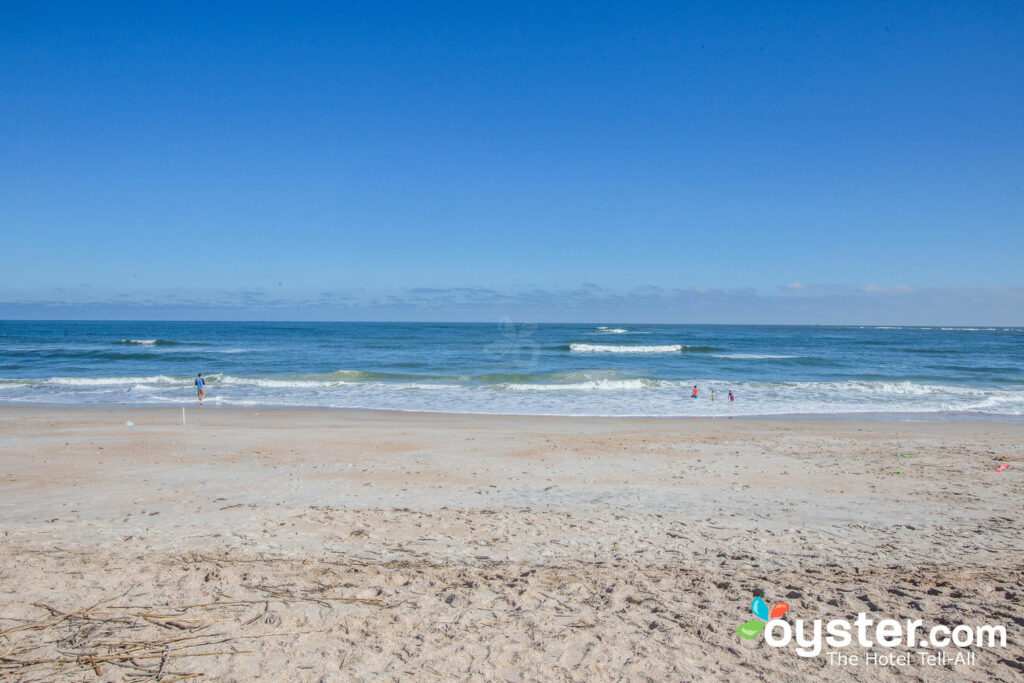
column 143, row 353
column 600, row 392
column 970, row 329
column 602, row 378
column 113, row 381
column 127, row 352
column 612, row 348
column 905, row 388
column 347, row 376
column 341, row 378
column 611, row 330
column 278, row 383
column 178, row 346
column 753, row 356
column 934, row 352
column 149, row 342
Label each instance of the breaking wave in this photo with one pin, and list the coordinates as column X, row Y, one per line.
column 753, row 356
column 612, row 348
column 150, row 342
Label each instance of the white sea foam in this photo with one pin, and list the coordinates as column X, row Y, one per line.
column 612, row 348
column 601, row 392
column 140, row 342
column 114, row 381
column 592, row 385
column 612, row 330
column 281, row 383
column 910, row 388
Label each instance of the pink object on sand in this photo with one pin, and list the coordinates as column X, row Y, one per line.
column 1002, row 468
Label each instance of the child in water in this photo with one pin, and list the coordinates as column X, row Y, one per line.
column 731, row 397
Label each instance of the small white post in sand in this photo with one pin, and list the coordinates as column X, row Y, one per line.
column 183, row 416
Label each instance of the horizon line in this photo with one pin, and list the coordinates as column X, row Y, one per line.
column 992, row 326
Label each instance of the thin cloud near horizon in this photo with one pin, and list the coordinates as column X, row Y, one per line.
column 793, row 303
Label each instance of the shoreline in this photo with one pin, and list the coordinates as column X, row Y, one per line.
column 870, row 417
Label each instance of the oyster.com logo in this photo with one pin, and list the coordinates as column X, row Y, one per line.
column 759, row 607
column 920, row 644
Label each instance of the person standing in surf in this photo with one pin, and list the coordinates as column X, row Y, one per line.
column 201, row 388
column 694, row 395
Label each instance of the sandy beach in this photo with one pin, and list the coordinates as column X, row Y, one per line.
column 344, row 545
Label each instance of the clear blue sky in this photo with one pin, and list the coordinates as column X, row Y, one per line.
column 473, row 160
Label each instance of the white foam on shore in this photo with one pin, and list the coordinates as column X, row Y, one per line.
column 586, row 393
column 592, row 385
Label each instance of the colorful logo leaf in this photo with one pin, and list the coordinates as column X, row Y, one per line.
column 764, row 614
column 750, row 629
column 760, row 608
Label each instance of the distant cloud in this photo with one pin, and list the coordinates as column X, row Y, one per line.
column 793, row 303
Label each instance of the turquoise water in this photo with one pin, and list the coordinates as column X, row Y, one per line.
column 594, row 369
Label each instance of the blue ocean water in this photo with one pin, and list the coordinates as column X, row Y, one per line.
column 555, row 369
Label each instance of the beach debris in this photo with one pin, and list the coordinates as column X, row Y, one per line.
column 1002, row 468
column 139, row 642
column 899, row 472
column 903, row 455
column 1003, row 458
column 129, row 423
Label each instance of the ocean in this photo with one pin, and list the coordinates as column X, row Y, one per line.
column 549, row 369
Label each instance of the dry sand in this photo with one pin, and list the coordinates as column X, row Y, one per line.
column 337, row 545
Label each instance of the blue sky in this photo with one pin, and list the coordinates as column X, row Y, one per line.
column 716, row 162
